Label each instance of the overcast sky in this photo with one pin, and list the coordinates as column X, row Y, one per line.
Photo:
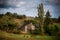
column 29, row 7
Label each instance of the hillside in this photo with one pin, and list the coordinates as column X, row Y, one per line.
column 13, row 23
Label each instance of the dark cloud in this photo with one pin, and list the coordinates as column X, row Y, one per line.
column 55, row 9
column 16, row 3
column 52, row 2
column 5, row 4
column 10, row 3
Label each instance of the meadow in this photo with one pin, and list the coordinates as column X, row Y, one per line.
column 10, row 36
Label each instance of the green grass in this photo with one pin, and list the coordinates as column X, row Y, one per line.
column 10, row 36
column 58, row 25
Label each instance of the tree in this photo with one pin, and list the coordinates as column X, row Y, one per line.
column 47, row 22
column 59, row 19
column 1, row 15
column 15, row 15
column 8, row 13
column 41, row 17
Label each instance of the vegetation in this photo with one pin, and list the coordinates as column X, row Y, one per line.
column 47, row 22
column 11, row 24
column 9, row 36
column 41, row 17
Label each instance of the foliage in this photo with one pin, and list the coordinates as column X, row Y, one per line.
column 36, row 31
column 1, row 15
column 47, row 22
column 59, row 19
column 41, row 17
column 53, row 30
column 7, row 23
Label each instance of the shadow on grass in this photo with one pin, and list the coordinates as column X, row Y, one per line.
column 1, row 38
column 56, row 38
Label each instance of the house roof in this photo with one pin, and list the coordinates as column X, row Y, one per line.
column 29, row 25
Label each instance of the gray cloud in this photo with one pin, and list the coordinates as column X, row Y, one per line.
column 18, row 3
column 30, row 4
column 52, row 2
column 11, row 3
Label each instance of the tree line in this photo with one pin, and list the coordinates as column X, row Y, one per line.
column 13, row 15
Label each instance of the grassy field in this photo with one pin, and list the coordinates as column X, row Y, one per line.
column 10, row 36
